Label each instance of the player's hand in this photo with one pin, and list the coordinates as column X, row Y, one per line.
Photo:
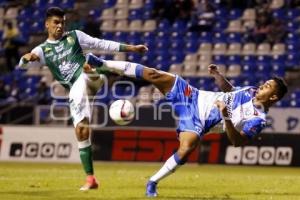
column 222, row 107
column 213, row 69
column 30, row 57
column 140, row 48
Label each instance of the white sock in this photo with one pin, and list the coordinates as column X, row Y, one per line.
column 125, row 68
column 84, row 144
column 168, row 168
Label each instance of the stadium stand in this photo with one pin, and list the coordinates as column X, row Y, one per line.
column 174, row 45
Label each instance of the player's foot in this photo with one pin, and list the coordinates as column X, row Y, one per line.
column 91, row 183
column 93, row 60
column 151, row 189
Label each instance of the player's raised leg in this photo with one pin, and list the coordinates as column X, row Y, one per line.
column 188, row 142
column 162, row 80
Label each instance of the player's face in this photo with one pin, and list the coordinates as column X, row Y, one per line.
column 55, row 26
column 267, row 91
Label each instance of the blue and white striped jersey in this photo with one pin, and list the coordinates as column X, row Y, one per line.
column 197, row 111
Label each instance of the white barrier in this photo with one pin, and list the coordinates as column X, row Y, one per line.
column 285, row 120
column 39, row 144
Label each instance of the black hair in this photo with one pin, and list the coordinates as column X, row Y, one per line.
column 55, row 11
column 281, row 85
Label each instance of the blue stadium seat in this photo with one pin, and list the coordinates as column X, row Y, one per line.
column 179, row 26
column 108, row 4
column 278, row 70
column 292, row 38
column 292, row 60
column 219, row 38
column 162, row 36
column 162, row 45
column 150, row 44
column 263, row 60
column 292, row 48
column 191, row 37
column 147, row 14
column 163, row 26
column 191, row 47
column 108, row 35
column 248, row 69
column 292, row 26
column 177, row 58
column 279, row 59
column 249, row 59
column 293, row 13
column 220, row 26
column 175, row 36
column 134, row 57
column 67, row 4
column 220, row 59
column 234, row 59
column 279, row 14
column 295, row 103
column 53, row 3
column 149, row 36
column 205, row 37
column 234, row 38
column 221, row 14
column 295, row 94
column 135, row 38
column 135, row 14
column 263, row 69
column 282, row 103
column 120, row 36
column 235, row 13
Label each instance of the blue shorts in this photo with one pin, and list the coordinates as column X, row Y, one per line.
column 184, row 99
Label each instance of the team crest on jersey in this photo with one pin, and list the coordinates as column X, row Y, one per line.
column 187, row 91
column 47, row 49
column 70, row 40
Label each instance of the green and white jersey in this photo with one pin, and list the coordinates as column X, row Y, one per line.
column 64, row 57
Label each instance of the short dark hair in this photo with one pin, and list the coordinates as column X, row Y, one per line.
column 55, row 11
column 281, row 85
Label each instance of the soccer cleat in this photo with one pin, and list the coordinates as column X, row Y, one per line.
column 91, row 183
column 93, row 60
column 151, row 189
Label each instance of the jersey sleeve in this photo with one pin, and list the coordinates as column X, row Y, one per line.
column 88, row 42
column 39, row 52
column 253, row 126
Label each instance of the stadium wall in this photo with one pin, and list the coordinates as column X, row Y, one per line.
column 58, row 144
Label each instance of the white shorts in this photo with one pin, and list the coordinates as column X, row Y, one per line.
column 81, row 95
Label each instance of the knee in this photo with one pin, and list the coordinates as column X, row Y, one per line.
column 82, row 131
column 185, row 150
column 154, row 74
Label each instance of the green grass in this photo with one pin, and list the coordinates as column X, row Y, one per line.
column 32, row 181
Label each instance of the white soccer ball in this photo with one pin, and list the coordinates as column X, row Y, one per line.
column 121, row 112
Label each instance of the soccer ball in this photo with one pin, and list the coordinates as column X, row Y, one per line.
column 121, row 112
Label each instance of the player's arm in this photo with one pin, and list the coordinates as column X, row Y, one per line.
column 237, row 138
column 33, row 59
column 220, row 80
column 88, row 42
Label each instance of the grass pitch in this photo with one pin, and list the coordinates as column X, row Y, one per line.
column 44, row 181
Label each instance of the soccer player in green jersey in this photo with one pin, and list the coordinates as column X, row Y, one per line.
column 62, row 52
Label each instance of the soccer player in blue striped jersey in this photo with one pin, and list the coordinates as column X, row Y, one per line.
column 242, row 110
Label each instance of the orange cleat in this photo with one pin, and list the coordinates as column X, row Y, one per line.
column 91, row 183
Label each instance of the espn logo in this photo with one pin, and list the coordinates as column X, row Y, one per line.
column 41, row 150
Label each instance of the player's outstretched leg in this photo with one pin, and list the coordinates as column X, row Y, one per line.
column 188, row 142
column 85, row 151
column 160, row 79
